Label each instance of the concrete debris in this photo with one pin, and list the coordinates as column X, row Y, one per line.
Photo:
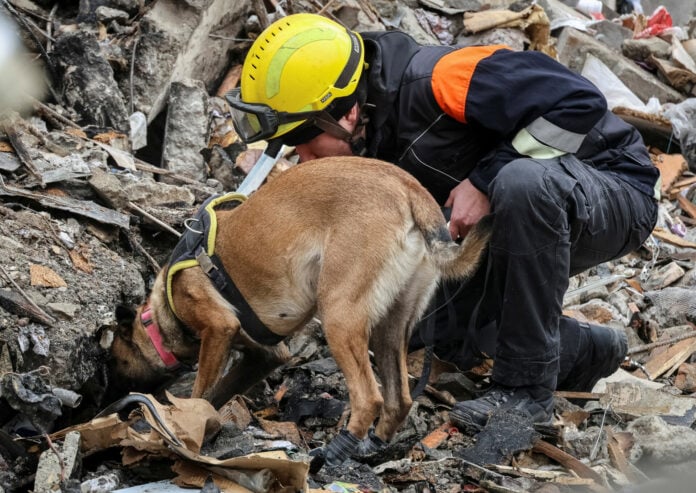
column 114, row 130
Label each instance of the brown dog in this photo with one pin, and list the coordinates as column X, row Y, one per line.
column 357, row 242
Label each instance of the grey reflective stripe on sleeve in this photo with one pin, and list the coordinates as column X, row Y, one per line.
column 555, row 136
column 527, row 145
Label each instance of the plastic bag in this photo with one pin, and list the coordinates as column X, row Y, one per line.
column 659, row 22
column 682, row 116
column 614, row 90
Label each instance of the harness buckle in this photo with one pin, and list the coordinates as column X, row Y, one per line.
column 188, row 225
column 204, row 262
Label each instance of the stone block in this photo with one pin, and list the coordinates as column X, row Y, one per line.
column 186, row 129
column 560, row 14
column 175, row 44
column 573, row 46
column 642, row 49
column 611, row 34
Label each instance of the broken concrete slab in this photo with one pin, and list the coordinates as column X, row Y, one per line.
column 573, row 47
column 175, row 43
column 661, row 443
column 56, row 467
column 87, row 81
column 632, row 401
column 683, row 80
column 611, row 34
column 561, row 15
column 186, row 130
column 120, row 191
column 642, row 49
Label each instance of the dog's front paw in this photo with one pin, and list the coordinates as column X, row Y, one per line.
column 370, row 446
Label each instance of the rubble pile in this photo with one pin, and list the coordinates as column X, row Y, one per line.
column 114, row 129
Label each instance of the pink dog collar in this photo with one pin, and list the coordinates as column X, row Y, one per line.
column 153, row 332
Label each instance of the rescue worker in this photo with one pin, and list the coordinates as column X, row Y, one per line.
column 486, row 130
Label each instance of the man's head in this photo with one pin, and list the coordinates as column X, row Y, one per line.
column 300, row 80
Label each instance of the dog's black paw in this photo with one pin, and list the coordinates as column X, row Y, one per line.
column 335, row 453
column 341, row 448
column 370, row 446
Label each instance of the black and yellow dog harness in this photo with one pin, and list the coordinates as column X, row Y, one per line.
column 196, row 248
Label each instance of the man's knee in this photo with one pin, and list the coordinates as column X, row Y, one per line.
column 517, row 185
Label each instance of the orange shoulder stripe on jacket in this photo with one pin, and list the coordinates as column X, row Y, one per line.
column 452, row 74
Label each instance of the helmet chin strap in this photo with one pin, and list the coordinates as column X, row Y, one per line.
column 328, row 124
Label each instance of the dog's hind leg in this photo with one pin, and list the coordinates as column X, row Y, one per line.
column 389, row 343
column 347, row 332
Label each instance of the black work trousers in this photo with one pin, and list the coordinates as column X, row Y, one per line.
column 553, row 219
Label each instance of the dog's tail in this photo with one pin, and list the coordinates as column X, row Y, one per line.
column 460, row 260
column 454, row 260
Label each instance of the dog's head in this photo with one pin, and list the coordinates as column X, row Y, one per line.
column 133, row 365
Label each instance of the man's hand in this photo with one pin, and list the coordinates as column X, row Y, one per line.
column 468, row 205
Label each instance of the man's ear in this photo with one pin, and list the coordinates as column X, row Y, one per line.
column 352, row 117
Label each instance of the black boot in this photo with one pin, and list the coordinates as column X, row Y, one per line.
column 534, row 400
column 588, row 353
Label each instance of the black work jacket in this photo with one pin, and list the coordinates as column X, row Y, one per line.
column 445, row 113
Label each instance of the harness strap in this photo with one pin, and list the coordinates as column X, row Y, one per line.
column 252, row 325
column 428, row 335
column 153, row 332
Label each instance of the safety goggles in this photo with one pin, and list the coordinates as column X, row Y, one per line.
column 256, row 121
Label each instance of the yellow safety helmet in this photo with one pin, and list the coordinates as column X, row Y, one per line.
column 293, row 72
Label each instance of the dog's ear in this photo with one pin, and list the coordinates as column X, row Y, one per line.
column 125, row 317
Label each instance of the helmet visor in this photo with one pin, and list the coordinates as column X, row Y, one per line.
column 251, row 121
column 257, row 121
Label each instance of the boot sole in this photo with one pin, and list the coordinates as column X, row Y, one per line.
column 470, row 426
column 465, row 422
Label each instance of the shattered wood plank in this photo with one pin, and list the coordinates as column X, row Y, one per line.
column 670, row 237
column 369, row 10
column 23, row 152
column 680, row 185
column 122, row 159
column 20, row 306
column 567, row 461
column 529, row 472
column 261, row 13
column 687, row 206
column 619, row 461
column 671, row 167
column 437, row 436
column 85, row 208
column 678, row 77
column 58, row 175
column 230, row 81
column 665, row 235
column 482, row 474
column 653, row 345
column 675, row 355
column 568, row 394
column 681, row 57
